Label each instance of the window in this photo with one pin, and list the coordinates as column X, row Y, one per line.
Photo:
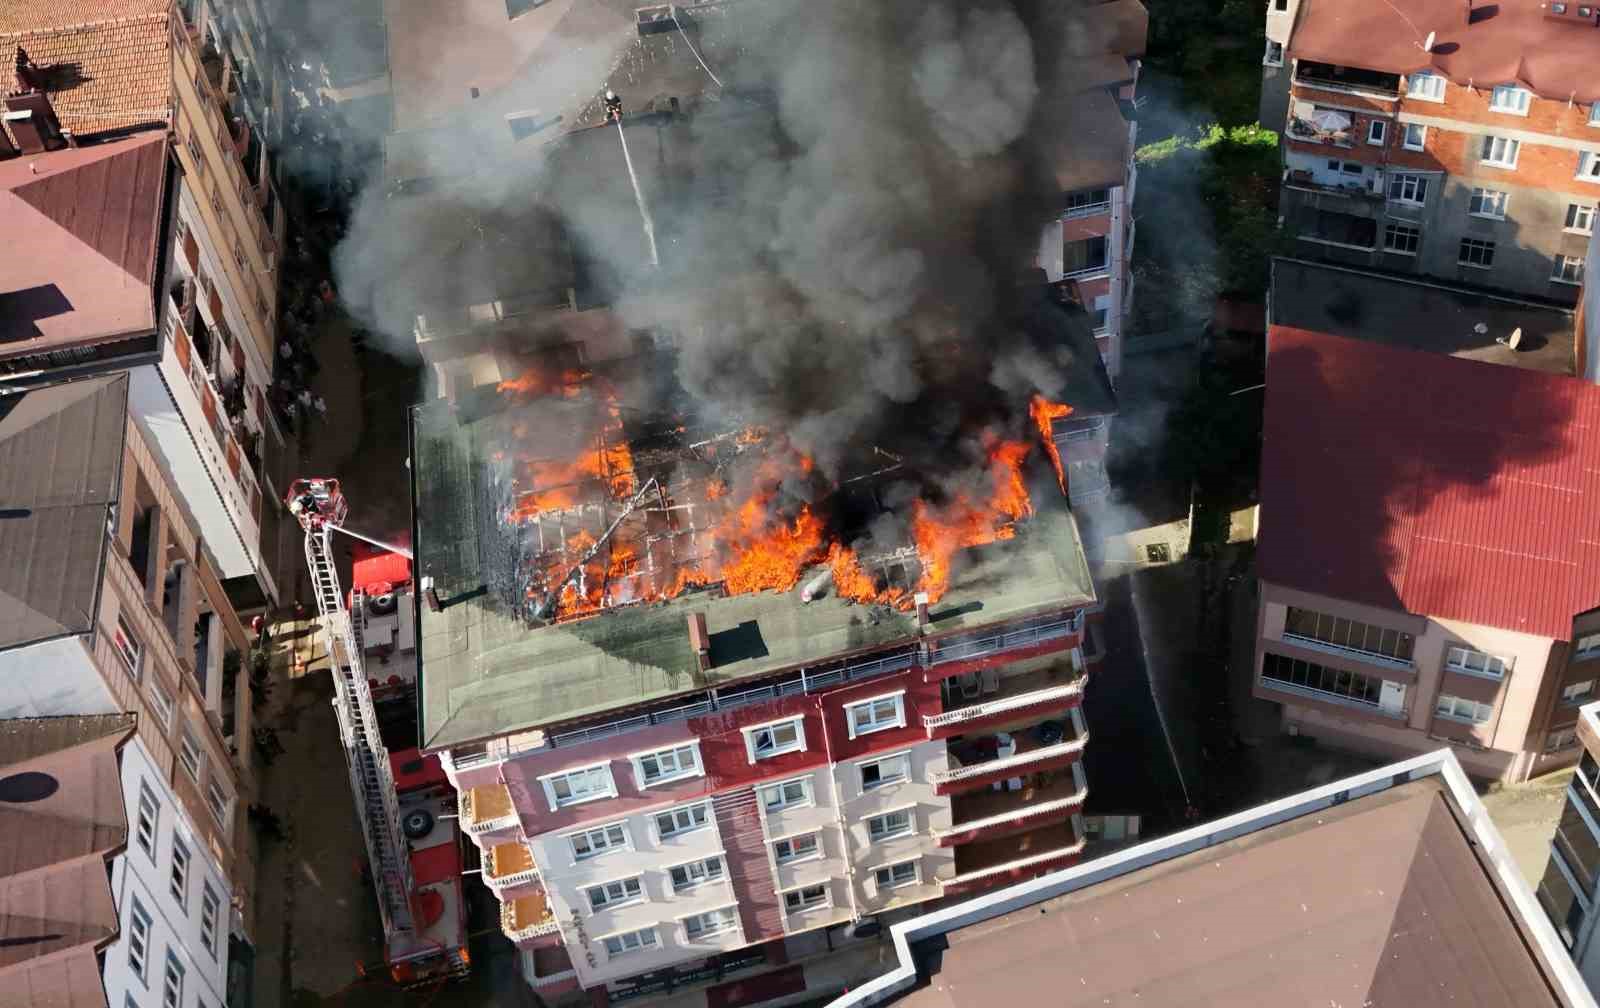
column 886, row 770
column 179, row 879
column 1280, row 5
column 217, row 800
column 1274, row 54
column 712, row 922
column 138, row 939
column 1560, row 900
column 1309, row 676
column 797, row 900
column 1459, row 659
column 1577, row 692
column 1401, row 238
column 630, row 941
column 1576, row 842
column 144, row 830
column 1589, row 166
column 189, row 754
column 1461, row 709
column 796, row 848
column 782, row 796
column 687, row 876
column 1405, row 188
column 766, row 741
column 1427, row 86
column 594, row 842
column 1348, row 635
column 876, row 714
column 209, row 905
column 525, row 124
column 172, row 983
column 1509, row 98
column 895, row 875
column 1587, row 646
column 1580, row 218
column 1377, row 132
column 1476, row 253
column 653, row 768
column 128, row 648
column 888, row 825
column 1500, row 151
column 1594, row 114
column 1568, row 269
column 574, row 787
column 612, row 894
column 194, row 155
column 1488, row 203
column 681, row 820
column 1416, row 137
column 1561, row 738
column 161, row 700
column 1351, row 168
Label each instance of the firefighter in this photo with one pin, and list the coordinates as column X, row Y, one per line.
column 613, row 106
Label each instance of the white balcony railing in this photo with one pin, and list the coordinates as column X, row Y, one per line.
column 498, row 882
column 1012, row 815
column 1020, row 761
column 474, row 826
column 968, row 649
column 508, row 924
column 1375, row 657
column 1087, row 272
column 1087, row 210
column 1019, row 863
column 1001, row 705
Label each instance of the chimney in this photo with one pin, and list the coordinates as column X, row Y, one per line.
column 33, row 123
column 700, row 640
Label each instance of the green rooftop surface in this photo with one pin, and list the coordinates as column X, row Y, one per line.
column 485, row 673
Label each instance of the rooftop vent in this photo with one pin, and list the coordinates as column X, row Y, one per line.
column 32, row 123
column 1572, row 12
column 659, row 18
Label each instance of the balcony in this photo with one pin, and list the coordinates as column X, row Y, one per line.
column 1014, row 858
column 510, row 864
column 1013, row 807
column 527, row 917
column 986, row 697
column 1324, row 131
column 1349, row 80
column 1356, row 188
column 487, row 809
column 986, row 761
column 958, row 655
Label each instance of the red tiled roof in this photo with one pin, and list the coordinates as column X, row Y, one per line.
column 108, row 62
column 1553, row 56
column 1431, row 484
column 89, row 220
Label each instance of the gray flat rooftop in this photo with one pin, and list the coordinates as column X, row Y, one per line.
column 1420, row 314
column 485, row 672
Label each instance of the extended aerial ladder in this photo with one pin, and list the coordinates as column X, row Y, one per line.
column 321, row 510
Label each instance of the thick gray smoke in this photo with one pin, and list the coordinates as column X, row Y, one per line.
column 842, row 226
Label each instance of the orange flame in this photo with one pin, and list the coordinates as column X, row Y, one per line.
column 849, row 580
column 962, row 523
column 764, row 552
column 1045, row 413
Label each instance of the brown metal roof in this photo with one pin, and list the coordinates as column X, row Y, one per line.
column 107, row 63
column 1380, row 901
column 88, row 221
column 1516, row 43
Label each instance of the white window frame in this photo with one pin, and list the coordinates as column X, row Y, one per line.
column 674, row 753
column 1418, row 185
column 1510, row 99
column 139, row 921
column 915, row 879
column 825, row 903
column 161, row 701
column 217, row 800
column 1588, row 645
column 797, row 745
column 178, row 872
column 705, row 823
column 815, row 836
column 1481, row 197
column 1581, row 216
column 1588, row 166
column 1570, row 694
column 903, row 757
column 1558, row 739
column 1594, row 114
column 870, row 705
column 644, row 938
column 1461, row 253
column 1486, row 148
column 190, row 753
column 1457, row 704
column 909, row 811
column 172, row 981
column 210, row 905
column 129, row 649
column 1426, row 86
column 1267, row 58
column 692, row 883
column 1422, row 137
column 548, row 782
column 807, row 798
column 1397, row 226
column 1380, row 127
column 1563, row 265
column 604, row 833
column 728, row 920
column 609, row 902
column 147, row 844
column 1458, row 658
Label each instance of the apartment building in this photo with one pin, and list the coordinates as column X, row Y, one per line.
column 62, row 822
column 184, row 244
column 1392, row 886
column 1423, row 553
column 112, row 604
column 1567, row 890
column 1459, row 141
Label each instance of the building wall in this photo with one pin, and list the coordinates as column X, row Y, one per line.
column 929, row 812
column 1275, row 76
column 143, row 878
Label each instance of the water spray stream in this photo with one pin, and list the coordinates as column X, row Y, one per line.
column 638, row 196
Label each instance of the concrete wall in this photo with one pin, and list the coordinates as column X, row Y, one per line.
column 928, row 812
column 1274, row 106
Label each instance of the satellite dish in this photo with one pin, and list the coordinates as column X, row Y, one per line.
column 1427, row 45
column 1511, row 342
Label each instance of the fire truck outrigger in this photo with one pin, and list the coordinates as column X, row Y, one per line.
column 413, row 849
